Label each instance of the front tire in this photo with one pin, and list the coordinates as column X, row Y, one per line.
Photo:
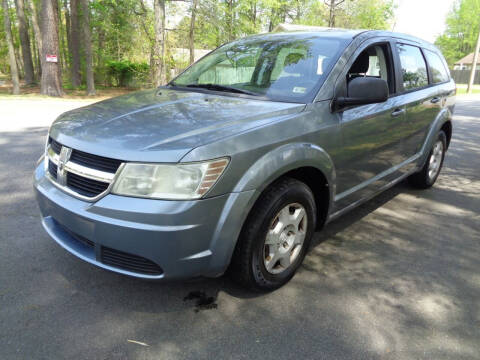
column 275, row 236
column 427, row 176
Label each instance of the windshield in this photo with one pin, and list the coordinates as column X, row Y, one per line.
column 279, row 67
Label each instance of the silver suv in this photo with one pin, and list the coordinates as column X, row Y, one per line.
column 236, row 162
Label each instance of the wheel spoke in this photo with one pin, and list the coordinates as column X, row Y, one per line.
column 298, row 216
column 299, row 237
column 284, row 216
column 285, row 260
column 269, row 264
column 273, row 235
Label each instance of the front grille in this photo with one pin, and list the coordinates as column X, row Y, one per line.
column 85, row 186
column 52, row 169
column 56, row 146
column 129, row 262
column 95, row 161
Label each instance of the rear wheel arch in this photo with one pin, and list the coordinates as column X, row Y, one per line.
column 447, row 129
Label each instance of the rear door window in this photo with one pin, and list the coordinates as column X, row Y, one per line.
column 414, row 68
column 436, row 67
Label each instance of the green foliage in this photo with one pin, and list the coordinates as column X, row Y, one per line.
column 3, row 46
column 315, row 13
column 367, row 14
column 4, row 63
column 125, row 73
column 460, row 36
column 123, row 30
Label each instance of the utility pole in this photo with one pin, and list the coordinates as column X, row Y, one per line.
column 474, row 66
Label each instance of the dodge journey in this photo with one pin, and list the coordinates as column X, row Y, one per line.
column 234, row 164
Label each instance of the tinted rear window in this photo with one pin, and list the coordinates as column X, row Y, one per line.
column 414, row 69
column 436, row 66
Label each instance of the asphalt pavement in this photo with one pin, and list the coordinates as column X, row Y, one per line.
column 397, row 278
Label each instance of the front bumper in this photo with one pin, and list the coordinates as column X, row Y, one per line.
column 182, row 238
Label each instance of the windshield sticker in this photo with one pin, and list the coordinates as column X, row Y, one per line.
column 299, row 90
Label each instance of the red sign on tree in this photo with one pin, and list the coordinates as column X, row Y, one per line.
column 52, row 58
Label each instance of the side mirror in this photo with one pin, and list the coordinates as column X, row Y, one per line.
column 362, row 91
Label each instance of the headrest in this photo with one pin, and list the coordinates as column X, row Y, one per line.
column 360, row 66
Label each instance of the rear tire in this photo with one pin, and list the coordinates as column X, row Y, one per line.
column 427, row 176
column 275, row 237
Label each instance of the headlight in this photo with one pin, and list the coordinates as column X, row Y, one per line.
column 165, row 181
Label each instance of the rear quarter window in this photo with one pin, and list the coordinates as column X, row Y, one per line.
column 436, row 67
column 414, row 68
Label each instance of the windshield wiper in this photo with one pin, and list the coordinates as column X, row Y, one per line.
column 216, row 87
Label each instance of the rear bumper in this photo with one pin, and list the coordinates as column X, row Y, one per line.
column 151, row 239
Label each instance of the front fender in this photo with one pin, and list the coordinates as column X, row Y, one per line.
column 283, row 159
column 259, row 175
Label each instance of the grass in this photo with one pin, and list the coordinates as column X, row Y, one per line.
column 462, row 89
column 33, row 91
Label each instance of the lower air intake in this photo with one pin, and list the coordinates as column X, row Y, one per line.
column 133, row 263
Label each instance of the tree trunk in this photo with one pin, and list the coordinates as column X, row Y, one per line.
column 270, row 23
column 11, row 49
column 67, row 31
column 51, row 83
column 35, row 56
column 75, row 47
column 158, row 71
column 25, row 43
column 18, row 58
column 331, row 19
column 62, row 42
column 88, row 47
column 38, row 34
column 230, row 20
column 191, row 41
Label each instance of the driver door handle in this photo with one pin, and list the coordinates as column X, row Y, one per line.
column 398, row 112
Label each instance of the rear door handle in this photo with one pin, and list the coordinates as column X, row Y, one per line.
column 398, row 112
column 435, row 100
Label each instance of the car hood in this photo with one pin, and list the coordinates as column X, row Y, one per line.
column 162, row 125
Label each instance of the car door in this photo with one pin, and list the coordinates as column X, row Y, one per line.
column 371, row 144
column 422, row 100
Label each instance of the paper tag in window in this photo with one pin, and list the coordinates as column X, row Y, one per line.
column 299, row 90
